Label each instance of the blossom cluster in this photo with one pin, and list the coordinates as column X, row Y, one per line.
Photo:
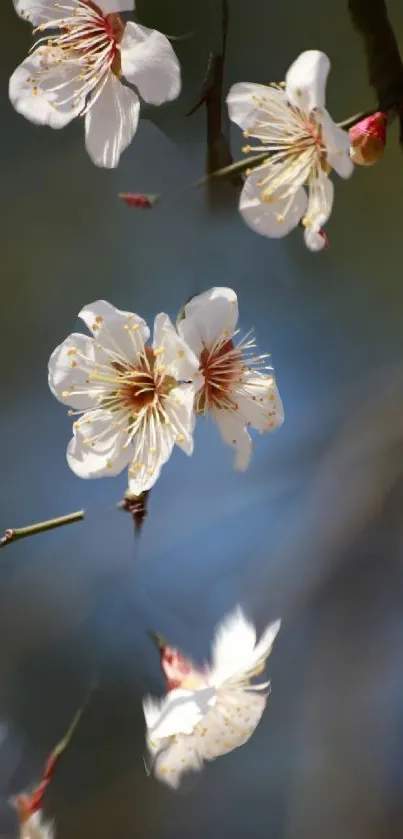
column 206, row 712
column 88, row 58
column 134, row 400
column 133, row 396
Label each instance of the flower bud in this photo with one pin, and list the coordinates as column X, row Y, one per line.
column 368, row 139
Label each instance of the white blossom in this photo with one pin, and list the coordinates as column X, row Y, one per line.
column 77, row 67
column 234, row 385
column 134, row 401
column 303, row 145
column 35, row 828
column 208, row 712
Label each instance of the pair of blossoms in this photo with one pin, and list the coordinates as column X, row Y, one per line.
column 80, row 70
column 206, row 712
column 135, row 401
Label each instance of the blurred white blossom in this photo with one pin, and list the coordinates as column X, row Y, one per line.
column 303, row 145
column 236, row 386
column 78, row 71
column 135, row 401
column 208, row 712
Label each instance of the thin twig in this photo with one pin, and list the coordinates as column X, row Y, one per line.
column 13, row 534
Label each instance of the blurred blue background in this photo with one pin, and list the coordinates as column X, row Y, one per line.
column 312, row 532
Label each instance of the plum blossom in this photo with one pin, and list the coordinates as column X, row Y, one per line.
column 33, row 827
column 134, row 401
column 210, row 711
column 77, row 67
column 303, row 144
column 235, row 386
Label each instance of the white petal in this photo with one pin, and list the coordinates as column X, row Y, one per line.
column 320, row 202
column 230, row 723
column 315, row 240
column 243, row 107
column 208, row 316
column 120, row 334
column 37, row 11
column 69, row 367
column 260, row 403
column 36, row 828
column 233, row 646
column 108, row 7
column 337, row 144
column 179, row 408
column 180, row 711
column 111, row 123
column 274, row 219
column 36, row 100
column 264, row 646
column 178, row 359
column 234, row 432
column 97, row 448
column 305, row 82
column 152, row 447
column 174, row 757
column 150, row 63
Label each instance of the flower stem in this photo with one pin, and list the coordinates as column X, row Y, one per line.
column 13, row 534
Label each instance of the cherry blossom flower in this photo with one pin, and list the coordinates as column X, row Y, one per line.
column 236, row 386
column 208, row 712
column 84, row 52
column 368, row 139
column 34, row 827
column 135, row 401
column 303, row 145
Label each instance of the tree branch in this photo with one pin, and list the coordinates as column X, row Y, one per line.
column 12, row 534
column 384, row 63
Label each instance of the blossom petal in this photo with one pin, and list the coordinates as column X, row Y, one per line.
column 98, row 449
column 36, row 827
column 179, row 712
column 321, row 194
column 244, row 101
column 337, row 144
column 234, row 432
column 37, row 11
column 179, row 408
column 120, row 335
column 275, row 218
column 178, row 359
column 208, row 317
column 150, row 63
column 230, row 723
column 233, row 646
column 305, row 82
column 260, row 403
column 174, row 757
column 265, row 644
column 108, row 7
column 111, row 123
column 152, row 447
column 32, row 94
column 69, row 367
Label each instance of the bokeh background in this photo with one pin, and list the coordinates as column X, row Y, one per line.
column 313, row 532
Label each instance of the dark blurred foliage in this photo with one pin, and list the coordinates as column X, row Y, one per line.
column 312, row 532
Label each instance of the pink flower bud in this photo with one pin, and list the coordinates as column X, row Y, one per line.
column 368, row 139
column 175, row 667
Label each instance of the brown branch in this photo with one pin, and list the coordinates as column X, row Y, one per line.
column 13, row 534
column 384, row 63
column 218, row 145
column 137, row 506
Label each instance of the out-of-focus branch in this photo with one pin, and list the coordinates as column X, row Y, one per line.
column 13, row 534
column 384, row 63
column 218, row 145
